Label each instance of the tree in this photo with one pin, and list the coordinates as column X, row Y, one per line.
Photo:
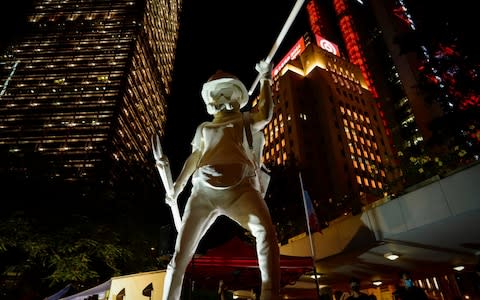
column 49, row 256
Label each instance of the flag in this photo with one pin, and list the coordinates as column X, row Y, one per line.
column 59, row 294
column 311, row 215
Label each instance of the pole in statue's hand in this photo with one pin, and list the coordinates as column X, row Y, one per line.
column 163, row 166
column 278, row 41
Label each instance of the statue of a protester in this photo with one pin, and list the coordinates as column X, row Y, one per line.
column 225, row 181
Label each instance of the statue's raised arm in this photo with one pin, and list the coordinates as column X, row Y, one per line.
column 224, row 180
column 263, row 112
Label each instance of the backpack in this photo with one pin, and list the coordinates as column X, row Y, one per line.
column 256, row 142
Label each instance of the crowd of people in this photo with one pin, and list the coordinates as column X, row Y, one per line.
column 406, row 290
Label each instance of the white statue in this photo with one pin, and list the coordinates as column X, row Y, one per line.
column 224, row 180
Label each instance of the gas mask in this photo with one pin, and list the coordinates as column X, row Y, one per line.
column 224, row 92
column 225, row 96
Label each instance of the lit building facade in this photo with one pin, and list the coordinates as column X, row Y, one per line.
column 327, row 122
column 83, row 93
column 414, row 113
column 368, row 31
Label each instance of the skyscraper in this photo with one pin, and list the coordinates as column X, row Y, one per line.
column 327, row 121
column 84, row 91
column 383, row 38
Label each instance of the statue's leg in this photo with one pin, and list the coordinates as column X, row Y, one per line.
column 198, row 216
column 251, row 212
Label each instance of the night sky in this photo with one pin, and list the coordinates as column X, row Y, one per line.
column 214, row 34
column 220, row 34
column 228, row 35
column 231, row 36
column 217, row 34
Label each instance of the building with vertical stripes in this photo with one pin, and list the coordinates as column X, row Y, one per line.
column 84, row 91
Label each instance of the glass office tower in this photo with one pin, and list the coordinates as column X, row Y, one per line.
column 84, row 91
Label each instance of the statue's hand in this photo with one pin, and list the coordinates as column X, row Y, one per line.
column 264, row 69
column 171, row 196
column 170, row 200
column 157, row 150
column 162, row 162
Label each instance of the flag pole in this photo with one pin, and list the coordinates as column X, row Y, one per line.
column 312, row 245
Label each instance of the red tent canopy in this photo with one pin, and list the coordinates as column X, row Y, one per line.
column 235, row 262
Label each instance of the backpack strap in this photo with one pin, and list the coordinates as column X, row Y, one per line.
column 248, row 129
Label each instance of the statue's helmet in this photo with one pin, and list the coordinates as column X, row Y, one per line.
column 224, row 88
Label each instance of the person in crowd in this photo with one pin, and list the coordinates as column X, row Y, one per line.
column 355, row 292
column 407, row 290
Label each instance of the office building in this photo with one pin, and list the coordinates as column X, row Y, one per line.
column 327, row 121
column 84, row 91
column 369, row 32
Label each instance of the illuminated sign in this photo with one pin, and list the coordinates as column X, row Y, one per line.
column 327, row 45
column 296, row 50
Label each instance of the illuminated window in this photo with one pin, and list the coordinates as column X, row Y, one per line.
column 362, row 166
column 284, row 156
column 355, row 164
column 283, row 142
column 342, row 109
column 380, row 186
column 334, row 77
column 345, row 122
column 373, row 183
column 378, row 159
column 372, row 157
column 365, row 180
column 368, row 120
column 279, row 160
column 362, row 140
column 359, row 180
column 349, row 112
column 382, row 173
column 348, row 134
